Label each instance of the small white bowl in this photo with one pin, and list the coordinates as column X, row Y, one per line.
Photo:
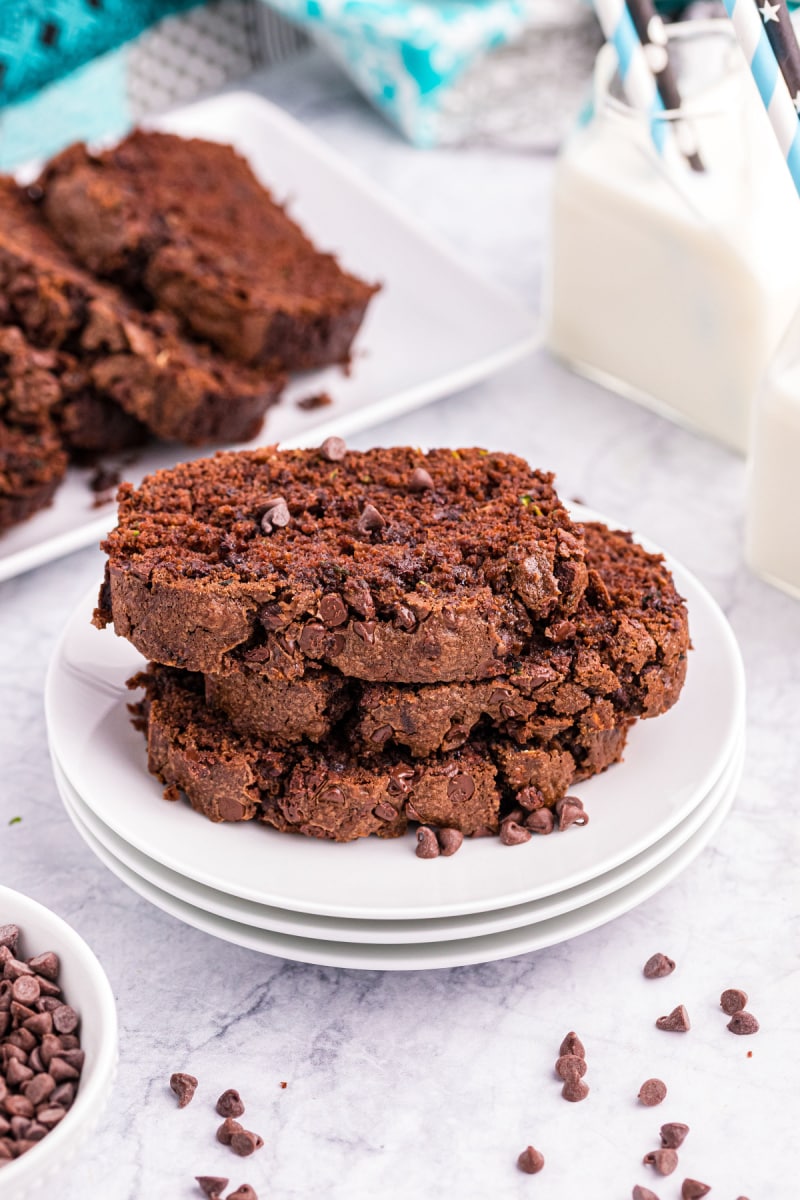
column 87, row 989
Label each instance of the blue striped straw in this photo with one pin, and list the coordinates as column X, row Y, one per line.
column 638, row 81
column 771, row 85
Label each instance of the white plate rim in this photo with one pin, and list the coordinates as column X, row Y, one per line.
column 443, row 908
column 429, row 955
column 392, row 932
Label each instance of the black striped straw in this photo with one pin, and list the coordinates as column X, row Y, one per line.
column 653, row 36
column 778, row 28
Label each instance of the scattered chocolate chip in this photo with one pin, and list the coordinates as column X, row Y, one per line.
column 570, row 811
column 370, row 519
column 664, row 1161
column 673, row 1134
column 657, row 966
column 743, row 1023
column 420, row 480
column 230, row 1104
column 284, row 1083
column 319, row 400
column 332, row 610
column 541, row 821
column 643, row 1193
column 227, row 1129
column 676, row 1022
column 570, row 1066
column 333, row 449
column 530, row 1161
column 243, row 1192
column 733, row 1000
column 512, row 834
column 276, row 514
column 244, row 1142
column 574, row 1090
column 530, row 798
column 427, row 845
column 692, row 1189
column 184, row 1086
column 212, row 1186
column 571, row 1044
column 652, row 1092
column 450, row 841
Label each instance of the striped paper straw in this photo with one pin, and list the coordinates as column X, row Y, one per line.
column 637, row 79
column 779, row 30
column 770, row 83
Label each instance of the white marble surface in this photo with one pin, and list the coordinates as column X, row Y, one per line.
column 428, row 1085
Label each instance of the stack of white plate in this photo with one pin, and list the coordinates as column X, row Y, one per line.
column 373, row 904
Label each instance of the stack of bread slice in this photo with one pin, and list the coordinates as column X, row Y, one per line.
column 345, row 642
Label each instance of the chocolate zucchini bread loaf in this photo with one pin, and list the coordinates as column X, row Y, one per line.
column 390, row 565
column 333, row 791
column 186, row 224
column 628, row 644
column 134, row 360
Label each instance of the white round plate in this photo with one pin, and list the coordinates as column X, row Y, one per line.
column 394, row 932
column 428, row 955
column 670, row 766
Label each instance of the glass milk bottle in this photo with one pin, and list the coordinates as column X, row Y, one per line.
column 772, row 529
column 673, row 286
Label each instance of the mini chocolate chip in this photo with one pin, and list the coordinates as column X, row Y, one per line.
column 643, row 1193
column 244, row 1142
column 230, row 1104
column 212, row 1186
column 333, row 610
column 541, row 821
column 652, row 1092
column 385, row 812
column 243, row 1192
column 227, row 1129
column 575, row 1090
column 663, row 1161
column 733, row 1000
column 276, row 515
column 743, row 1022
column 450, row 841
column 420, row 480
column 673, row 1134
column 184, row 1086
column 530, row 1161
column 460, row 788
column 512, row 834
column 370, row 519
column 427, row 845
column 676, row 1022
column 572, row 1044
column 570, row 811
column 333, row 449
column 693, row 1189
column 570, row 1066
column 404, row 617
column 657, row 966
column 381, row 735
column 365, row 630
column 312, row 640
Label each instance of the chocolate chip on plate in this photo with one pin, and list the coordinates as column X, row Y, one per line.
column 693, row 1189
column 212, row 1186
column 230, row 1104
column 673, row 1134
column 512, row 834
column 333, row 449
column 541, row 821
column 570, row 811
column 743, row 1023
column 664, row 1161
column 733, row 1000
column 184, row 1086
column 427, row 843
column 657, row 966
column 652, row 1092
column 530, row 1161
column 643, row 1193
column 450, row 841
column 676, row 1022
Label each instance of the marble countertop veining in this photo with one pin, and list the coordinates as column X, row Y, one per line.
column 412, row 1086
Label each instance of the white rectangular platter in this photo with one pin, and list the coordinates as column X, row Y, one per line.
column 433, row 329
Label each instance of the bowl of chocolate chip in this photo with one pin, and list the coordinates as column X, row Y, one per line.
column 58, row 1045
